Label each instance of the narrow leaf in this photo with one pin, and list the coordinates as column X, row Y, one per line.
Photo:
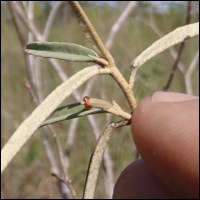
column 37, row 117
column 61, row 50
column 97, row 157
column 178, row 35
column 69, row 112
column 96, row 160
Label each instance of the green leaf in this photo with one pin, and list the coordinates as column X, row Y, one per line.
column 61, row 50
column 69, row 112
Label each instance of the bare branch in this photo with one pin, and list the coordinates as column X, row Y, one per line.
column 180, row 51
column 50, row 19
column 172, row 73
column 116, row 27
column 71, row 194
column 18, row 11
column 31, row 92
column 189, row 72
column 67, row 183
column 132, row 77
column 16, row 24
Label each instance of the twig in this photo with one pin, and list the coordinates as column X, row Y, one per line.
column 189, row 72
column 62, row 163
column 127, row 90
column 15, row 8
column 66, row 182
column 32, row 61
column 66, row 194
column 113, row 107
column 115, row 73
column 116, row 27
column 31, row 92
column 50, row 19
column 133, row 77
column 90, row 31
column 17, row 28
column 22, row 42
column 180, row 51
column 174, row 68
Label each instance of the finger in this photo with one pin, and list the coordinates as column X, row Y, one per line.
column 172, row 97
column 167, row 137
column 137, row 182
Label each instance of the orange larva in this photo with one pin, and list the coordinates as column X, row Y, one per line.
column 97, row 103
column 85, row 102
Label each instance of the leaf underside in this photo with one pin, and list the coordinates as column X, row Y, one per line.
column 61, row 50
column 69, row 112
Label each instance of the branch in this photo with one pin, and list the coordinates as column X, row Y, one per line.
column 65, row 179
column 116, row 27
column 113, row 107
column 90, row 31
column 189, row 72
column 172, row 73
column 180, row 51
column 18, row 11
column 17, row 28
column 50, row 19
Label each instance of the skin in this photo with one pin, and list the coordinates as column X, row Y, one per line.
column 165, row 129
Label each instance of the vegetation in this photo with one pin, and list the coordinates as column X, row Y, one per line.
column 31, row 176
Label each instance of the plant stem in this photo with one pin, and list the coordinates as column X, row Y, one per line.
column 93, row 37
column 90, row 31
column 127, row 90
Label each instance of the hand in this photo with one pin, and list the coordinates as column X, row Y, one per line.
column 165, row 129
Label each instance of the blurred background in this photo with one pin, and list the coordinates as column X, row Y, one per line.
column 127, row 28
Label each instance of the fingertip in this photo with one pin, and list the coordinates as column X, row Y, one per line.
column 166, row 135
column 139, row 117
column 137, row 182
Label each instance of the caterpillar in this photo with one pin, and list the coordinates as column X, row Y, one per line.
column 98, row 103
column 85, row 102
